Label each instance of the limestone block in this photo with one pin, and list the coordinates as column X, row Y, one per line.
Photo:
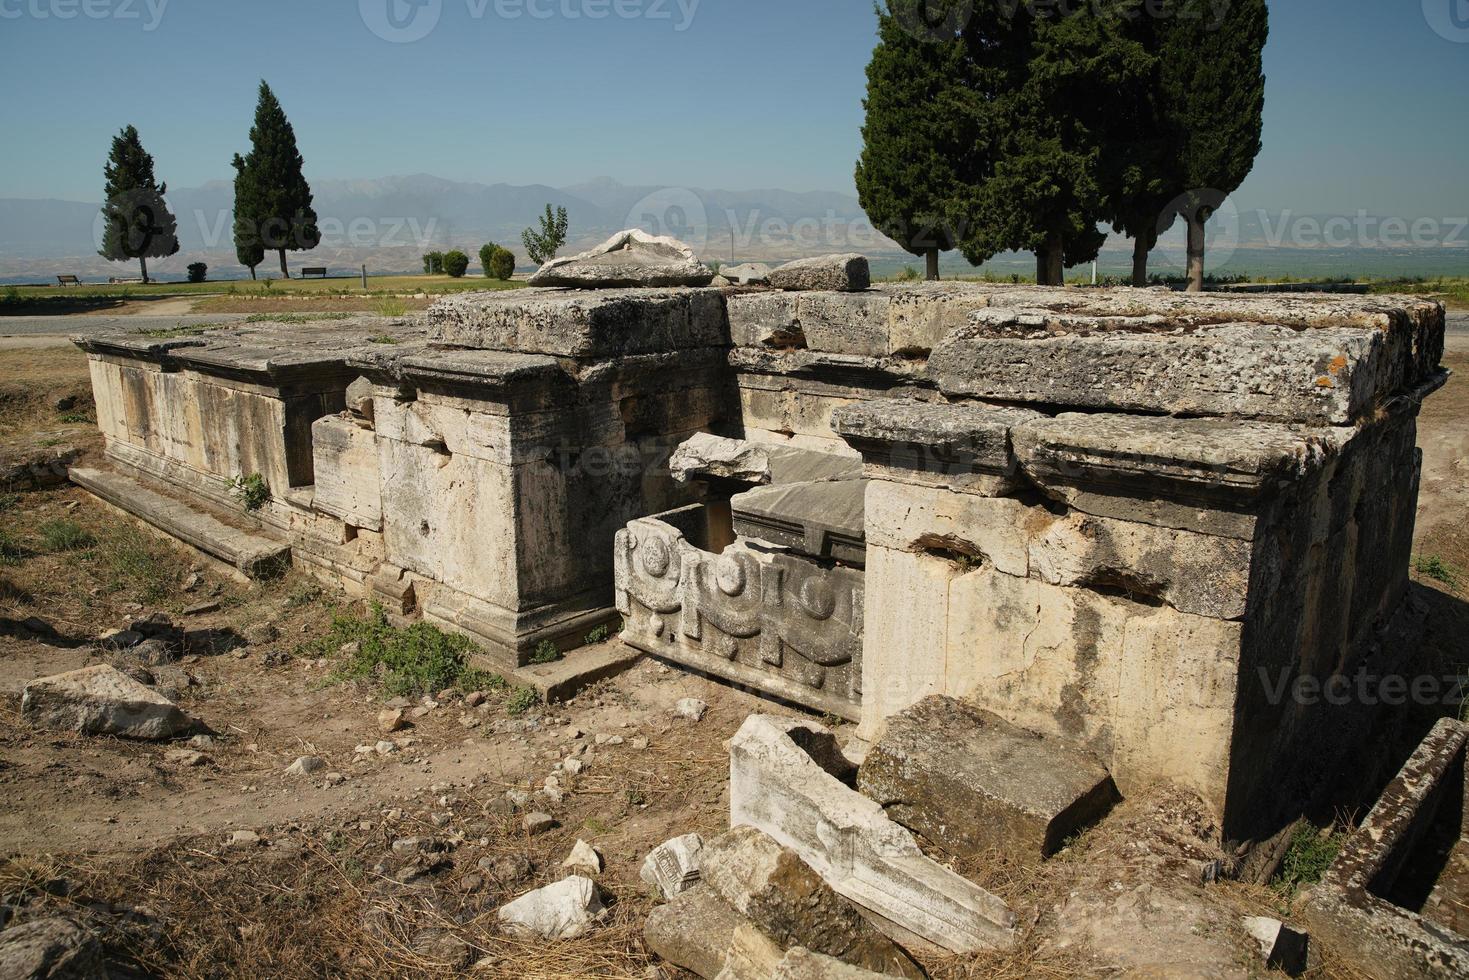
column 765, row 320
column 820, row 519
column 994, row 530
column 347, row 472
column 922, row 314
column 629, row 258
column 746, row 273
column 564, row 910
column 706, row 455
column 973, row 784
column 905, row 653
column 674, row 866
column 101, row 700
column 845, row 323
column 694, row 931
column 843, row 273
column 787, row 901
column 777, row 786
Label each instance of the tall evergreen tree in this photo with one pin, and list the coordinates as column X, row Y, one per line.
column 279, row 199
column 1211, row 92
column 248, row 248
column 138, row 222
column 922, row 140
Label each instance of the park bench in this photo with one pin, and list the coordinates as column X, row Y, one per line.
column 317, row 271
column 68, row 281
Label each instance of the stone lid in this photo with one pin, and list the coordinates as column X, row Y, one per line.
column 967, row 437
column 627, row 259
column 710, row 457
column 479, row 368
column 825, row 519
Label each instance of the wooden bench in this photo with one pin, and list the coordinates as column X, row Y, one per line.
column 68, row 281
column 318, row 271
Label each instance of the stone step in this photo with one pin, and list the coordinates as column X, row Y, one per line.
column 970, row 783
column 255, row 553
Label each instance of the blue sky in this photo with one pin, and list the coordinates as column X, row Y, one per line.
column 1365, row 106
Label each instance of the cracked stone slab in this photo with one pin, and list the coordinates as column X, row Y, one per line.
column 628, row 259
column 823, row 519
column 847, row 273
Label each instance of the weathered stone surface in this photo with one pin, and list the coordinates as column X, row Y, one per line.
column 564, row 910
column 844, row 273
column 582, row 325
column 746, row 273
column 584, row 859
column 36, row 468
column 50, row 949
column 694, row 931
column 627, row 259
column 674, row 866
column 346, row 465
column 821, row 520
column 705, row 455
column 101, row 700
column 802, row 964
column 782, row 782
column 1281, row 947
column 965, row 446
column 787, row 901
column 973, row 784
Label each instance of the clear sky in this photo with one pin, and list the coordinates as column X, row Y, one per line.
column 1366, row 104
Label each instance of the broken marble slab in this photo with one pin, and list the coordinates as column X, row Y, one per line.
column 973, row 784
column 784, row 780
column 631, row 258
column 822, row 519
column 847, row 273
column 704, row 456
column 747, row 273
column 694, row 931
column 673, row 867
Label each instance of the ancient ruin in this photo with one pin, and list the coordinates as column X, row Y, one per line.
column 1117, row 523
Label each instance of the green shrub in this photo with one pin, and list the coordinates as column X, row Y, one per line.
column 76, row 418
column 522, row 699
column 418, row 660
column 1309, row 854
column 473, row 679
column 502, row 264
column 456, row 264
column 12, row 296
column 252, row 490
column 1434, row 567
column 433, row 264
column 598, row 635
column 546, row 652
column 64, row 535
column 487, row 257
column 198, row 271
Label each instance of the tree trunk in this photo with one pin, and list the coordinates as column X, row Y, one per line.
column 1140, row 261
column 1056, row 260
column 1042, row 268
column 252, row 273
column 933, row 265
column 143, row 262
column 285, row 273
column 1195, row 254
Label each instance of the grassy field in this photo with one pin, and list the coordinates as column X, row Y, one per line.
column 43, row 300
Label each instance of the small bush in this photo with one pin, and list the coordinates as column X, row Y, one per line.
column 390, row 307
column 1309, row 855
column 909, row 274
column 487, row 257
column 473, row 679
column 433, row 264
column 502, row 264
column 456, row 264
column 598, row 635
column 76, row 418
column 522, row 699
column 546, row 652
column 253, row 491
column 64, row 535
column 12, row 296
column 198, row 271
column 418, row 660
column 382, row 339
column 1434, row 567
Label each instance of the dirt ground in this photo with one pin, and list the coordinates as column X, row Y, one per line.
column 139, row 843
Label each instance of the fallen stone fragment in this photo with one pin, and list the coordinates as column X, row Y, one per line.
column 584, row 857
column 789, row 902
column 782, row 782
column 51, row 949
column 694, row 931
column 747, row 273
column 802, row 964
column 628, row 259
column 185, row 757
column 673, row 866
column 305, row 766
column 691, row 708
column 843, row 273
column 1282, row 947
column 537, row 823
column 507, row 869
column 242, row 839
column 101, row 700
column 390, row 720
column 564, row 910
column 705, row 455
column 971, row 783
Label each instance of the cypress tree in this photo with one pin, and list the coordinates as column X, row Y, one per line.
column 279, row 199
column 248, row 248
column 922, row 140
column 139, row 224
column 1211, row 92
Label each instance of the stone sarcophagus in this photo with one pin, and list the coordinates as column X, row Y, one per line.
column 777, row 622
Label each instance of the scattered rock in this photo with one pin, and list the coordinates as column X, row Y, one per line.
column 639, row 744
column 673, row 866
column 101, row 700
column 385, row 747
column 1282, row 947
column 305, row 766
column 334, row 779
column 260, row 634
column 202, row 608
column 242, row 839
column 691, row 708
column 507, row 869
column 276, row 658
column 51, row 949
column 538, row 823
column 747, row 273
column 65, row 403
column 474, row 699
column 789, row 902
column 572, row 766
column 192, row 581
column 704, row 456
column 844, row 273
column 185, row 757
column 584, row 857
column 630, row 258
column 694, row 931
column 564, row 910
column 390, row 720
column 201, row 742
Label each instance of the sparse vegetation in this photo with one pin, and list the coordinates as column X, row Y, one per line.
column 1434, row 567
column 474, row 679
column 382, row 339
column 420, row 659
column 521, row 700
column 390, row 307
column 295, row 317
column 1309, row 855
column 76, row 418
column 598, row 635
column 182, row 330
column 253, row 491
column 546, row 652
column 138, row 561
column 11, row 550
column 65, row 535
